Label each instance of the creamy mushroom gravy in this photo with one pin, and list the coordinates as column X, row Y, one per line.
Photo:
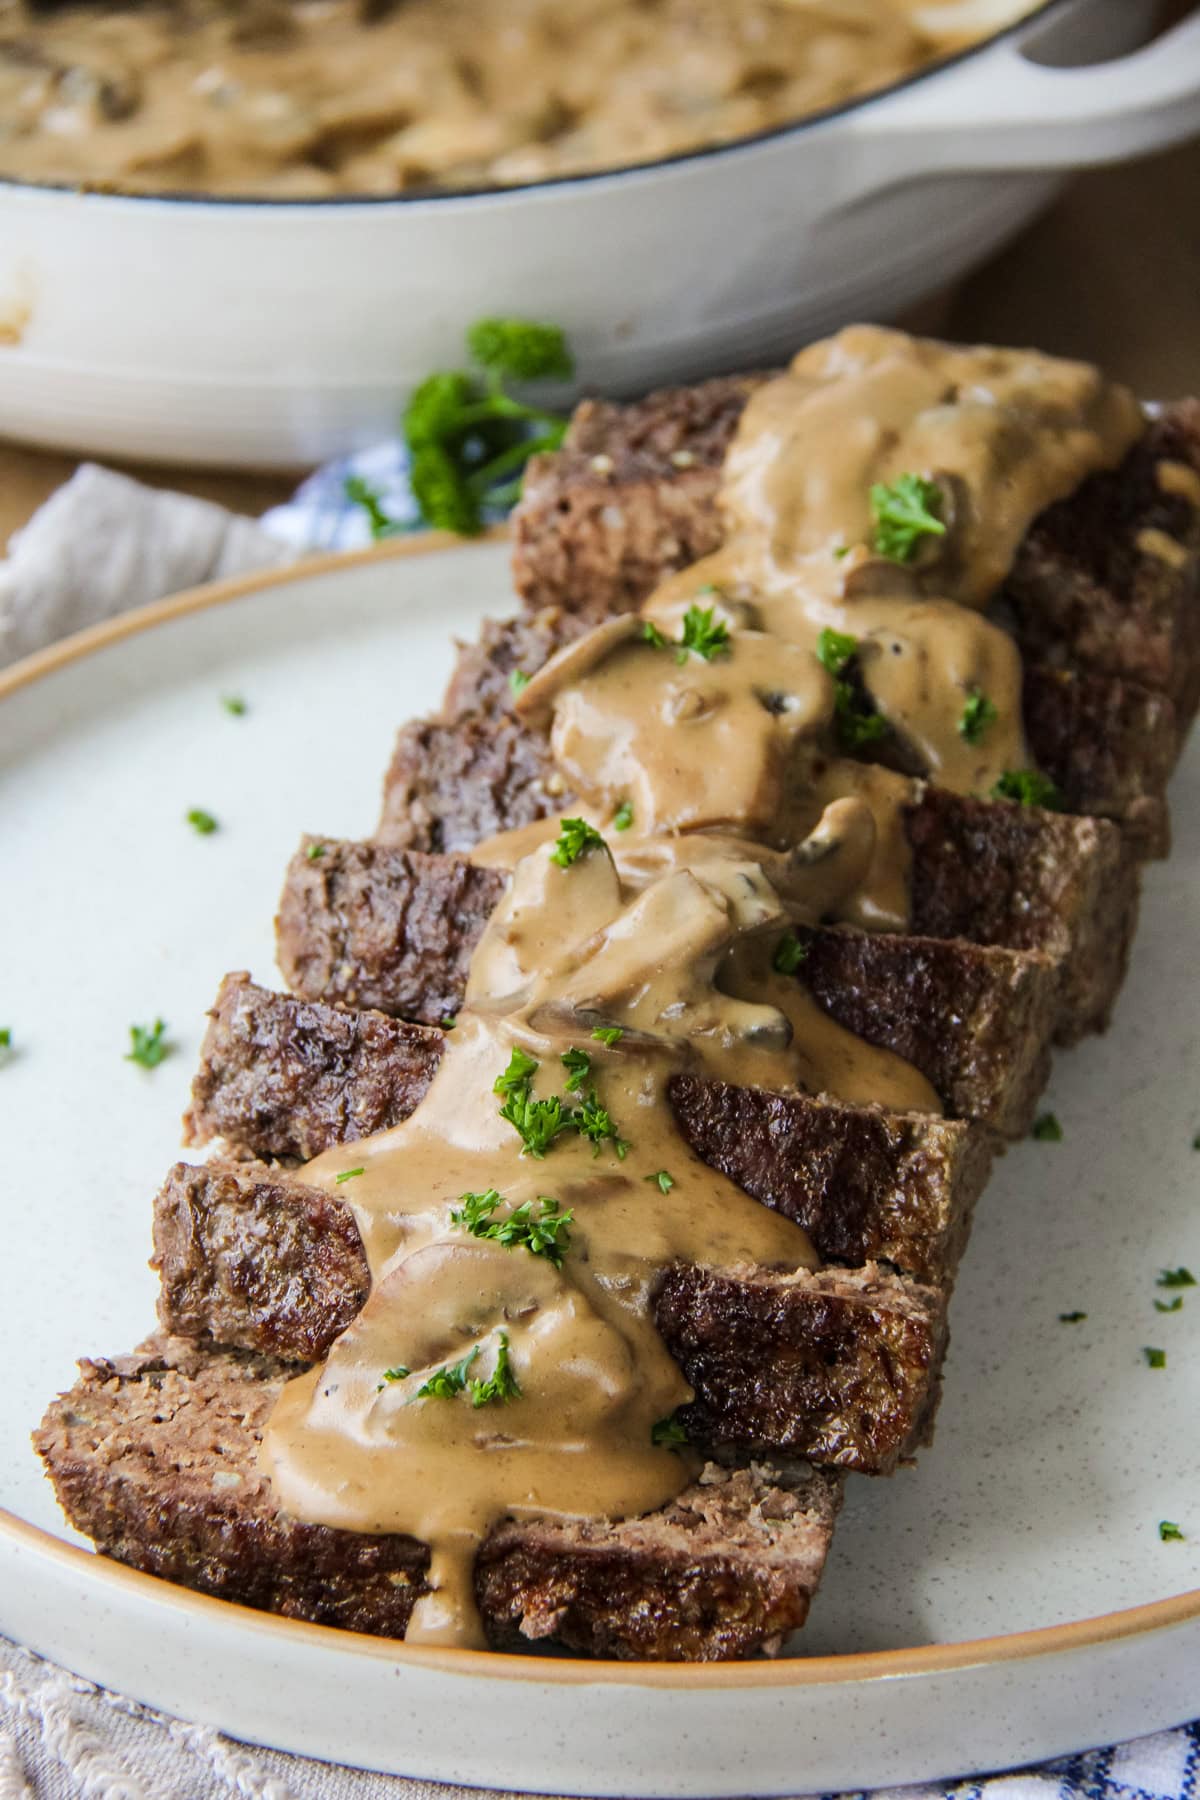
column 621, row 957
column 312, row 97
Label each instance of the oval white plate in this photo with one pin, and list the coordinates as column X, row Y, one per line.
column 1008, row 1599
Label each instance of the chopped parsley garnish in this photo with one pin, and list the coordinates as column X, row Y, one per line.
column 835, row 649
column 663, row 1181
column 501, row 1384
column 1166, row 1306
column 702, row 633
column 1157, row 1359
column 519, row 1073
column 1176, row 1278
column 548, row 1234
column 399, row 1373
column 1071, row 1318
column 149, row 1045
column 905, row 511
column 790, row 952
column 201, row 821
column 315, row 852
column 854, row 722
column 233, row 703
column 608, row 1034
column 578, row 1065
column 623, row 817
column 536, row 1122
column 1029, row 787
column 518, row 681
column 348, row 1174
column 595, row 1122
column 574, row 840
column 652, row 635
column 1169, row 1532
column 1047, row 1130
column 449, row 1021
column 977, row 715
column 445, row 1383
column 670, row 1432
column 468, row 438
column 6, row 1037
column 361, row 493
column 1196, row 1141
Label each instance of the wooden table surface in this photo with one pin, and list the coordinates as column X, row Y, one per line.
column 1111, row 273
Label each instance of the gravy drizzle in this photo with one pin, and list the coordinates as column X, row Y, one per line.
column 506, row 1364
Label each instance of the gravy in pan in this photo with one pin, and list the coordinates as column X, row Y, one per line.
column 506, row 1363
column 312, row 97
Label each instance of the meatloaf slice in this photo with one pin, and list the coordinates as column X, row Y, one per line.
column 477, row 768
column 977, row 1020
column 847, row 1359
column 1107, row 580
column 631, row 496
column 375, row 925
column 863, row 1183
column 154, row 1457
column 289, row 1080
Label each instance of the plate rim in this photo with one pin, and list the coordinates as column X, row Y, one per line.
column 786, row 1672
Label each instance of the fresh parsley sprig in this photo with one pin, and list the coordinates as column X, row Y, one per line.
column 548, row 1233
column 854, row 721
column 574, row 840
column 446, row 1382
column 501, row 1385
column 670, row 1433
column 977, row 716
column 790, row 952
column 468, row 437
column 703, row 634
column 905, row 511
column 540, row 1123
column 1028, row 787
column 456, row 1378
column 148, row 1045
column 1047, row 1129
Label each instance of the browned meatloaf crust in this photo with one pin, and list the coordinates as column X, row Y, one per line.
column 153, row 1456
column 846, row 1362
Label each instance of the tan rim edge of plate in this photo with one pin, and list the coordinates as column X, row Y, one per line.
column 798, row 1671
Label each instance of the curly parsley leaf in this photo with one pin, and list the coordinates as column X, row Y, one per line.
column 361, row 493
column 670, row 1433
column 977, row 716
column 595, row 1122
column 790, row 952
column 855, row 722
column 538, row 1123
column 519, row 1073
column 546, row 1233
column 578, row 1065
column 1029, row 787
column 573, row 841
column 905, row 511
column 445, row 1383
column 501, row 1385
column 468, row 438
column 149, row 1045
column 703, row 634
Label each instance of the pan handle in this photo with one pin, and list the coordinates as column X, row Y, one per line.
column 1018, row 114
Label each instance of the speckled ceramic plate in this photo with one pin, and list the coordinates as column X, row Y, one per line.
column 1008, row 1598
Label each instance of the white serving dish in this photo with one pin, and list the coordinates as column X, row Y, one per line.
column 1005, row 1600
column 280, row 333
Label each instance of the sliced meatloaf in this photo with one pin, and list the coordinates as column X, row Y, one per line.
column 154, row 1457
